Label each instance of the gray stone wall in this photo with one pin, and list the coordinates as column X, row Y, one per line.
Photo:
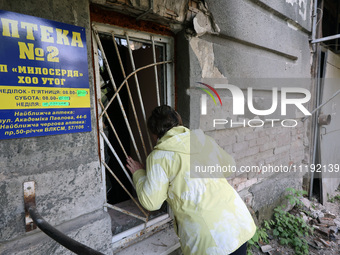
column 65, row 168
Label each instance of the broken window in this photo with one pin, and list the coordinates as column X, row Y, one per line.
column 134, row 74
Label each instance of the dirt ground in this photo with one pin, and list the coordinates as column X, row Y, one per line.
column 332, row 245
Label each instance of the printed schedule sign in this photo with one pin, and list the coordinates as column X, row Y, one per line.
column 44, row 85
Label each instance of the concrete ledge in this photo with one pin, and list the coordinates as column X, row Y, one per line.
column 161, row 243
column 81, row 229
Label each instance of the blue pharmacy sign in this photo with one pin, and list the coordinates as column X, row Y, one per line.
column 44, row 83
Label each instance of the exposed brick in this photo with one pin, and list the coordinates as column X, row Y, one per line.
column 240, row 186
column 254, row 174
column 283, row 139
column 271, row 144
column 267, row 153
column 258, row 129
column 279, row 150
column 250, row 182
column 252, row 143
column 256, row 147
column 224, row 137
column 297, row 157
column 244, row 130
column 262, row 140
column 283, row 158
column 262, row 133
column 240, row 174
column 250, row 136
column 238, row 180
column 240, row 146
column 254, row 159
column 228, row 148
column 271, row 159
column 239, row 138
column 245, row 184
column 251, row 151
column 293, row 132
column 246, row 153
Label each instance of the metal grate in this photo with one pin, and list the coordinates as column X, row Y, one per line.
column 133, row 113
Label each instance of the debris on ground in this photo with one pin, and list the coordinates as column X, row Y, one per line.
column 266, row 248
column 324, row 219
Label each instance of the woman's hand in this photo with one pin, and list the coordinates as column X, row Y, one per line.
column 133, row 165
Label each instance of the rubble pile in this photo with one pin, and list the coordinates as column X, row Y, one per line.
column 326, row 235
column 326, row 226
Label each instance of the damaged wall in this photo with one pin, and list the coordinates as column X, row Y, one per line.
column 249, row 43
column 168, row 12
column 65, row 168
column 258, row 44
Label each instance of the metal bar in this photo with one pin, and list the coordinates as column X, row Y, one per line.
column 29, row 197
column 315, row 16
column 121, row 184
column 337, row 27
column 130, row 96
column 118, row 97
column 125, row 212
column 155, row 68
column 327, row 38
column 168, row 73
column 127, row 77
column 114, row 130
column 317, row 108
column 138, row 89
column 116, row 156
column 58, row 236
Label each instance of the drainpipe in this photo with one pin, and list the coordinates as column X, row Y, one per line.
column 315, row 16
column 316, row 129
column 317, row 51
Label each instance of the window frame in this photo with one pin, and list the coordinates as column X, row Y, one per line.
column 126, row 237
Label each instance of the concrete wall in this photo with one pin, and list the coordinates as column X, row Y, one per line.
column 261, row 44
column 65, row 168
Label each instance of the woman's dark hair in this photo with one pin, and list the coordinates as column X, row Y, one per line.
column 162, row 119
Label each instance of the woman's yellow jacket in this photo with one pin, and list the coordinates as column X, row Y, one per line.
column 186, row 169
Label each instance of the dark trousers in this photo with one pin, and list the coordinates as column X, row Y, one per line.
column 241, row 251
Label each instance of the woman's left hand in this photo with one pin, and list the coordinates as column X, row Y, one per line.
column 133, row 165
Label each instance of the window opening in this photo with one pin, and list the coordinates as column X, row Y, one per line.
column 134, row 75
column 330, row 23
column 326, row 15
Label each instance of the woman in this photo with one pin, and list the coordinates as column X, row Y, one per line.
column 210, row 217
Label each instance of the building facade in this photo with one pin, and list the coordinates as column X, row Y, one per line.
column 141, row 54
